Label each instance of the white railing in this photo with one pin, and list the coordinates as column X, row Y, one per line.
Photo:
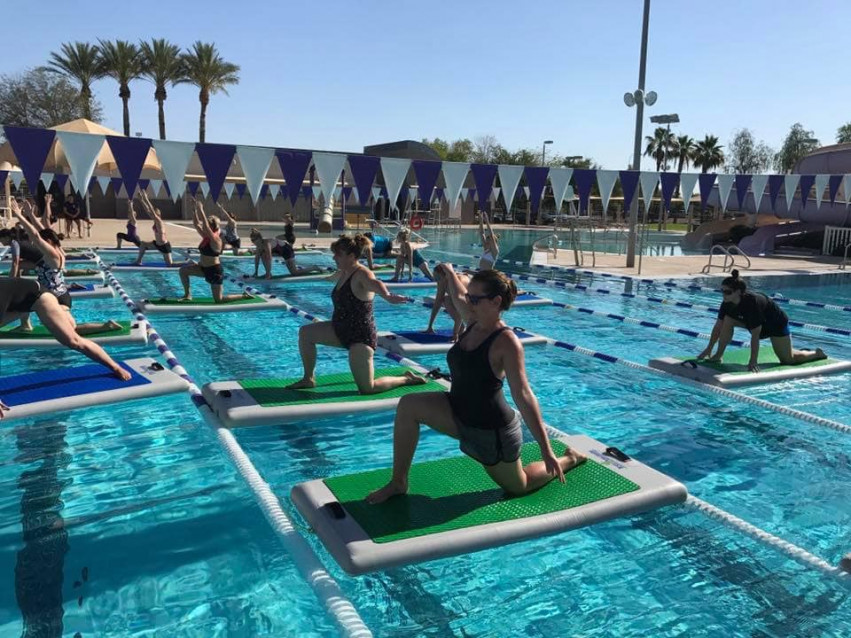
column 845, row 257
column 730, row 253
column 834, row 237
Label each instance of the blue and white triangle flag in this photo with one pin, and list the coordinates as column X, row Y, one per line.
column 758, row 183
column 687, row 184
column 338, row 192
column 725, row 185
column 376, row 192
column 648, row 181
column 606, row 182
column 174, row 159
column 526, row 191
column 47, row 179
column 328, row 169
column 229, row 186
column 205, row 188
column 17, row 177
column 509, row 179
column 255, row 161
column 790, row 185
column 454, row 176
column 274, row 191
column 82, row 151
column 495, row 191
column 412, row 194
column 395, row 171
column 821, row 184
column 560, row 180
column 465, row 194
column 103, row 182
column 317, row 192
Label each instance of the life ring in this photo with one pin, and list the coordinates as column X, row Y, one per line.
column 417, row 222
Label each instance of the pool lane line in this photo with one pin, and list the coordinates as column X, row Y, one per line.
column 797, row 553
column 307, row 562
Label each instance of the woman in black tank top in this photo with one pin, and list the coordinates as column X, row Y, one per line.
column 474, row 411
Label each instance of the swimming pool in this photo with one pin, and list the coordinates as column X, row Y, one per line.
column 129, row 520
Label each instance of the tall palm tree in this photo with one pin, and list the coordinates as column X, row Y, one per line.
column 684, row 150
column 163, row 65
column 123, row 62
column 708, row 154
column 660, row 145
column 78, row 61
column 205, row 68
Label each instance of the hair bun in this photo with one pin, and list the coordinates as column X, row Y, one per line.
column 734, row 274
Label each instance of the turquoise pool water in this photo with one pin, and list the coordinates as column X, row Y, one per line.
column 127, row 520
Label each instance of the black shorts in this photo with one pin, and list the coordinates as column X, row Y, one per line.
column 24, row 293
column 65, row 299
column 214, row 275
column 235, row 243
column 165, row 248
column 286, row 251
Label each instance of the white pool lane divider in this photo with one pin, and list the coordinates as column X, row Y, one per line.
column 799, row 554
column 307, row 562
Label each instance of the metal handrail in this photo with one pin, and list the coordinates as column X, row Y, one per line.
column 845, row 257
column 729, row 258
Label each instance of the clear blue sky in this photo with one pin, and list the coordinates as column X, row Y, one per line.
column 339, row 75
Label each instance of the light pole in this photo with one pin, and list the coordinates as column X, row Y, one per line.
column 670, row 118
column 544, row 152
column 638, row 99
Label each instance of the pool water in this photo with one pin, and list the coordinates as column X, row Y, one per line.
column 127, row 520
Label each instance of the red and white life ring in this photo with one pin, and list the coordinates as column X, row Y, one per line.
column 417, row 222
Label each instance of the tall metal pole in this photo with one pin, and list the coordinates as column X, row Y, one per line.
column 544, row 154
column 639, row 119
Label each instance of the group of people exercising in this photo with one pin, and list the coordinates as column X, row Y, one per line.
column 484, row 354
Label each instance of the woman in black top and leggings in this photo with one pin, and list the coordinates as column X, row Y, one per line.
column 474, row 411
column 762, row 317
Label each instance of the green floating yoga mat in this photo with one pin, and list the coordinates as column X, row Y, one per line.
column 736, row 361
column 203, row 301
column 330, row 388
column 457, row 493
column 40, row 332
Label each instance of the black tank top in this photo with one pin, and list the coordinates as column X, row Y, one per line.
column 206, row 248
column 30, row 253
column 476, row 394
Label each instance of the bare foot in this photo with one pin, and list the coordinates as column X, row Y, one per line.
column 414, row 379
column 388, row 491
column 185, row 298
column 122, row 374
column 23, row 328
column 821, row 354
column 302, row 384
column 247, row 295
column 572, row 459
column 112, row 325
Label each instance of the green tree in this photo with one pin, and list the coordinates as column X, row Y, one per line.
column 708, row 154
column 81, row 62
column 799, row 142
column 205, row 68
column 746, row 155
column 163, row 66
column 40, row 99
column 123, row 62
column 659, row 146
column 843, row 134
column 684, row 147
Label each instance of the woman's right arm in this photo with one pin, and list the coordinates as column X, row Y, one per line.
column 713, row 339
column 457, row 292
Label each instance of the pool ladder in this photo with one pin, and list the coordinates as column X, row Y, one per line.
column 845, row 257
column 730, row 253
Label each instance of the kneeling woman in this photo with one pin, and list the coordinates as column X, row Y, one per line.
column 474, row 411
column 210, row 266
column 265, row 248
column 19, row 297
column 762, row 317
column 352, row 325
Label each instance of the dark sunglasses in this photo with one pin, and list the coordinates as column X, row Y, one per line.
column 727, row 291
column 474, row 300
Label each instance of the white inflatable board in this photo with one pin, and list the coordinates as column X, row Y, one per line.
column 205, row 305
column 41, row 338
column 79, row 387
column 453, row 507
column 89, row 291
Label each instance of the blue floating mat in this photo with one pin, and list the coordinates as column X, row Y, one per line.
column 412, row 342
column 416, row 282
column 90, row 291
column 70, row 388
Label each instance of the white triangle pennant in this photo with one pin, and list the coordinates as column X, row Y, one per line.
column 338, row 190
column 725, row 185
column 395, row 171
column 156, row 185
column 560, row 180
column 376, row 192
column 465, row 193
column 509, row 178
column 846, row 188
column 46, row 179
column 454, row 176
column 648, row 181
column 17, row 177
column 821, row 184
column 274, row 190
column 495, row 191
column 790, row 185
column 687, row 184
column 255, row 161
column 229, row 186
column 355, row 197
column 204, row 187
column 82, row 151
column 174, row 158
column 328, row 169
column 412, row 194
column 758, row 183
column 317, row 192
column 103, row 182
column 526, row 191
column 606, row 182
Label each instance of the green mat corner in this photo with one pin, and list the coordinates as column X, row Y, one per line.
column 40, row 332
column 736, row 361
column 330, row 388
column 456, row 493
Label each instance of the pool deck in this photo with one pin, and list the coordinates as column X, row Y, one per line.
column 685, row 266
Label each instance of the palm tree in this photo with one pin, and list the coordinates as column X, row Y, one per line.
column 684, row 150
column 163, row 65
column 123, row 62
column 79, row 61
column 659, row 145
column 708, row 154
column 205, row 68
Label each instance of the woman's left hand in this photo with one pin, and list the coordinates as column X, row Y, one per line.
column 396, row 299
column 552, row 464
column 753, row 366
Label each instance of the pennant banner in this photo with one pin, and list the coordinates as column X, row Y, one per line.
column 509, row 179
column 483, row 176
column 560, row 180
column 606, row 183
column 240, row 189
column 775, row 183
column 274, row 190
column 264, row 190
column 17, row 177
column 363, row 169
column 216, row 160
column 82, row 151
column 47, row 180
column 725, row 185
column 156, row 186
column 103, row 182
column 192, row 187
column 316, row 191
column 758, row 187
column 294, row 166
column 205, row 189
column 790, row 184
column 536, row 177
column 806, row 182
column 376, row 192
column 61, row 179
column 821, row 184
column 648, row 181
column 229, row 186
column 584, row 179
column 255, row 161
column 669, row 181
column 395, row 171
column 705, row 181
column 426, row 173
column 454, row 176
column 31, row 147
column 117, row 183
column 174, row 159
column 833, row 187
column 130, row 154
column 742, row 183
column 687, row 184
column 328, row 169
column 629, row 185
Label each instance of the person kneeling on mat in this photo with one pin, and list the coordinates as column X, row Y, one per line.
column 410, row 257
column 762, row 317
column 442, row 299
column 210, row 266
column 21, row 296
column 265, row 248
column 352, row 325
column 474, row 411
column 379, row 246
column 161, row 242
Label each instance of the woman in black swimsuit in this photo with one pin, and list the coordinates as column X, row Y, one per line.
column 161, row 242
column 474, row 411
column 18, row 297
column 210, row 266
column 352, row 325
column 762, row 317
